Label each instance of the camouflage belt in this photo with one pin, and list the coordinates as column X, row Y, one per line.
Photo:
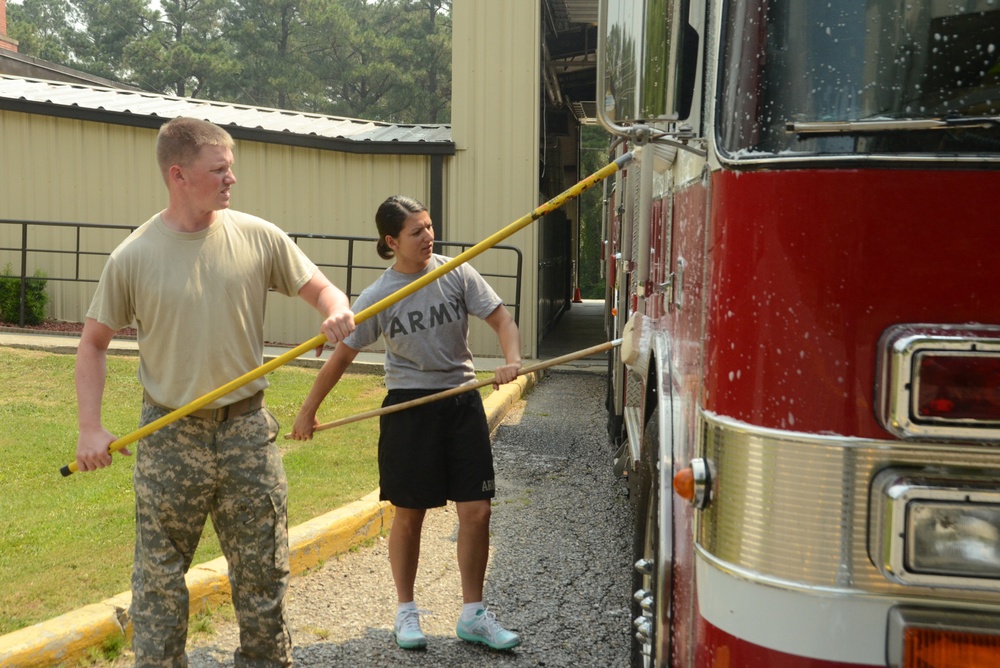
column 233, row 410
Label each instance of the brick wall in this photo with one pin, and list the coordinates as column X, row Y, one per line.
column 5, row 41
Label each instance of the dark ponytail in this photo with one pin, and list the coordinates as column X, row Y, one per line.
column 389, row 220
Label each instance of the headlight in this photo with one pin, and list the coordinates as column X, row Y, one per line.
column 960, row 539
column 936, row 529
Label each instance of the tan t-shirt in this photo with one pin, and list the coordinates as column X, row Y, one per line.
column 197, row 301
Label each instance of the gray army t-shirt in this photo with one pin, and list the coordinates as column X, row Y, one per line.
column 425, row 334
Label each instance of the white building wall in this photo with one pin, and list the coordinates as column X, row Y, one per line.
column 493, row 180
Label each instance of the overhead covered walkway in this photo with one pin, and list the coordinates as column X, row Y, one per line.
column 581, row 326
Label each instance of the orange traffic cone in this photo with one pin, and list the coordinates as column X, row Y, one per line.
column 576, row 296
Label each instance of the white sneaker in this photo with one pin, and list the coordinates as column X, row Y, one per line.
column 484, row 628
column 407, row 630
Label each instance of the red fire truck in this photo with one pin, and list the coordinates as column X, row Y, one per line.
column 809, row 417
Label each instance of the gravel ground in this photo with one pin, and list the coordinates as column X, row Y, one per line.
column 559, row 570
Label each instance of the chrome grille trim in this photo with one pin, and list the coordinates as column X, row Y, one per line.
column 791, row 508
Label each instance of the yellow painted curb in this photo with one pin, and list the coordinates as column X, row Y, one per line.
column 336, row 532
column 61, row 639
column 208, row 585
column 67, row 638
column 500, row 401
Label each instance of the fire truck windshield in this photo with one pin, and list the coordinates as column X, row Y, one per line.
column 859, row 77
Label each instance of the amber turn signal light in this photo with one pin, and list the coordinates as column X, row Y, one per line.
column 935, row 648
column 684, row 484
column 694, row 483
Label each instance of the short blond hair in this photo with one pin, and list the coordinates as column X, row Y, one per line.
column 180, row 140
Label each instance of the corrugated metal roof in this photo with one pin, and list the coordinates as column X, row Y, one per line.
column 315, row 127
column 568, row 13
column 582, row 11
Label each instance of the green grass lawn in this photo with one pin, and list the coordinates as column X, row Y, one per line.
column 67, row 542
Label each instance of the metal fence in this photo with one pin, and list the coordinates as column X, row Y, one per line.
column 76, row 252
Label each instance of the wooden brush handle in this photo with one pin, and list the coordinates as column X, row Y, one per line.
column 461, row 389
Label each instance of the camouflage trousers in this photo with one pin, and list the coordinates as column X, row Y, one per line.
column 231, row 471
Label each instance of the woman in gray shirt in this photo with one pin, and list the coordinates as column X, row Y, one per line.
column 440, row 451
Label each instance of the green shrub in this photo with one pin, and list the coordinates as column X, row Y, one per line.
column 35, row 297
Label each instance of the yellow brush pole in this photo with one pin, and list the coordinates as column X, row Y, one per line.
column 468, row 387
column 400, row 294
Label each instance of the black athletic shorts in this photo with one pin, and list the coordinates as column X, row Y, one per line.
column 436, row 452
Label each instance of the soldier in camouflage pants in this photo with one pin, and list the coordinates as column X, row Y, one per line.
column 194, row 279
column 231, row 471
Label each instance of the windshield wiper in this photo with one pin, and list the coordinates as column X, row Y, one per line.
column 890, row 125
